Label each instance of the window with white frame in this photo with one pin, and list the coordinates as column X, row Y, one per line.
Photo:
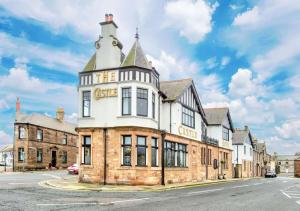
column 39, row 134
column 153, row 105
column 65, row 139
column 225, row 134
column 126, row 101
column 142, row 102
column 86, row 103
column 245, row 151
column 21, row 132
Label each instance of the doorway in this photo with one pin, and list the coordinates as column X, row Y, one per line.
column 53, row 159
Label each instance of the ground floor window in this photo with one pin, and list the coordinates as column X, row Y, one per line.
column 86, row 150
column 175, row 154
column 154, row 152
column 21, row 154
column 209, row 156
column 203, row 155
column 126, row 150
column 65, row 157
column 141, row 151
column 39, row 155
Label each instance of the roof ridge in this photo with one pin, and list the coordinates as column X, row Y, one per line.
column 169, row 81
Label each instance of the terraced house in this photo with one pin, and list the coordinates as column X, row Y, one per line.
column 42, row 142
column 135, row 129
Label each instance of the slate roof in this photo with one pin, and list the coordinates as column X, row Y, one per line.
column 91, row 65
column 239, row 136
column 215, row 116
column 45, row 121
column 136, row 57
column 174, row 89
column 6, row 148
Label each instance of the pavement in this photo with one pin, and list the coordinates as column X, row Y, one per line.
column 22, row 191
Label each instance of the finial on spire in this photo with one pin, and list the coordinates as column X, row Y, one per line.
column 136, row 33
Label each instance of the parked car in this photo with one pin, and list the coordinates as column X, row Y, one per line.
column 270, row 174
column 73, row 169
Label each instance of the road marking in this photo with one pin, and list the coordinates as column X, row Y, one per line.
column 285, row 194
column 298, row 202
column 240, row 186
column 285, row 181
column 205, row 191
column 259, row 183
column 54, row 176
column 93, row 203
column 20, row 183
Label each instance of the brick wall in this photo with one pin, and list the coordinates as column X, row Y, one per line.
column 146, row 175
column 52, row 141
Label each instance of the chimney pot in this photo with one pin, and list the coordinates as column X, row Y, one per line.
column 246, row 127
column 110, row 17
column 60, row 113
column 18, row 105
column 106, row 17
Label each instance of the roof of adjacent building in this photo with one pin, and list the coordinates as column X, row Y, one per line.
column 6, row 148
column 261, row 147
column 287, row 157
column 136, row 57
column 91, row 65
column 175, row 88
column 46, row 121
column 239, row 136
column 215, row 116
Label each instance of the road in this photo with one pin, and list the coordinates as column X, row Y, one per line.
column 21, row 191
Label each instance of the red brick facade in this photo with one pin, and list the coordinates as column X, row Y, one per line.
column 52, row 141
column 146, row 175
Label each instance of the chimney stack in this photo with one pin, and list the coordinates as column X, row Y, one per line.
column 110, row 17
column 60, row 113
column 106, row 17
column 18, row 105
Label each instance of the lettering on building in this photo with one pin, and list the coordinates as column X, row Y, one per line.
column 102, row 93
column 187, row 132
column 105, row 77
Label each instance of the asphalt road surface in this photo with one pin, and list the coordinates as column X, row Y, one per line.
column 21, row 191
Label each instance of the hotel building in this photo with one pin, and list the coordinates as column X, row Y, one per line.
column 135, row 129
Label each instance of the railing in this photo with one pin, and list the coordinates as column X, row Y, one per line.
column 211, row 141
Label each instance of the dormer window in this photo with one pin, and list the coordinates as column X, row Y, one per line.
column 225, row 134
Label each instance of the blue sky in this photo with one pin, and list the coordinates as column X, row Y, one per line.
column 241, row 54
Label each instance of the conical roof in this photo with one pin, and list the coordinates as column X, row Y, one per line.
column 136, row 57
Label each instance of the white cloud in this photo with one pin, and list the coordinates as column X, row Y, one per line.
column 3, row 104
column 225, row 61
column 248, row 17
column 71, row 117
column 5, row 138
column 289, row 129
column 46, row 56
column 211, row 63
column 192, row 18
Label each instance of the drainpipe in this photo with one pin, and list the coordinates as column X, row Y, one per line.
column 105, row 137
column 237, row 160
column 163, row 135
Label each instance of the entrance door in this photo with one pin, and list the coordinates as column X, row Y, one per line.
column 53, row 159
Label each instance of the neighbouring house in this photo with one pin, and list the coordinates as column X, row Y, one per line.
column 286, row 163
column 135, row 129
column 257, row 160
column 242, row 158
column 42, row 141
column 6, row 155
column 220, row 127
column 297, row 167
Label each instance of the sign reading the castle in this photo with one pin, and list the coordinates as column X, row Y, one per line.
column 102, row 93
column 187, row 132
column 105, row 77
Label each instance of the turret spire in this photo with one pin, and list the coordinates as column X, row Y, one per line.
column 136, row 33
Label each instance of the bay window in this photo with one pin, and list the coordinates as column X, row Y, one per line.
column 141, row 151
column 175, row 154
column 142, row 102
column 153, row 105
column 126, row 150
column 86, row 103
column 126, row 101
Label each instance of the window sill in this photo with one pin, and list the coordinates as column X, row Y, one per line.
column 139, row 117
column 141, row 166
column 84, row 118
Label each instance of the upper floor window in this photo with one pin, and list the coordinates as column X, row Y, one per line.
column 39, row 134
column 65, row 139
column 245, row 150
column 225, row 134
column 142, row 102
column 126, row 101
column 86, row 150
column 86, row 103
column 21, row 132
column 153, row 105
column 188, row 117
column 250, row 151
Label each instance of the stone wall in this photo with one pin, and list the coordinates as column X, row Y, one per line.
column 146, row 175
column 52, row 141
